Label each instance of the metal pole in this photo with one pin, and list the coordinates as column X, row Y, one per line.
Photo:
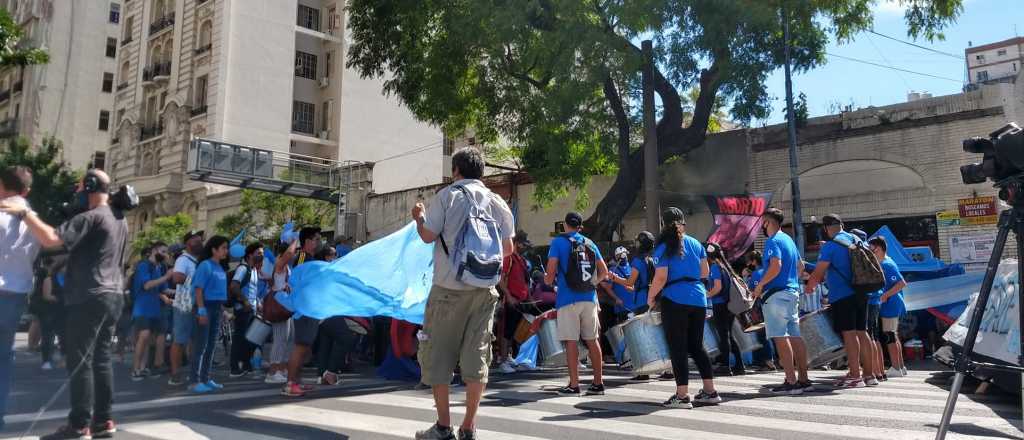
column 794, row 176
column 650, row 140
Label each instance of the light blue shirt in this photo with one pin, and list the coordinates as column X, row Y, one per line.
column 18, row 250
column 781, row 246
column 839, row 271
column 683, row 285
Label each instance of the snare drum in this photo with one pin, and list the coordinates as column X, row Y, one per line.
column 751, row 320
column 824, row 345
column 552, row 349
column 617, row 340
column 710, row 340
column 258, row 331
column 746, row 341
column 645, row 341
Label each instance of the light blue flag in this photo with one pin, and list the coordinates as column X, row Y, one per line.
column 387, row 277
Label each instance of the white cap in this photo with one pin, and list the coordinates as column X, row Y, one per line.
column 621, row 251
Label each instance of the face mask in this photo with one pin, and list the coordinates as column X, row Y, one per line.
column 159, row 258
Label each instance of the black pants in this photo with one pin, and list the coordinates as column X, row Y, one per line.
column 51, row 327
column 381, row 338
column 684, row 332
column 726, row 344
column 336, row 341
column 89, row 331
column 241, row 348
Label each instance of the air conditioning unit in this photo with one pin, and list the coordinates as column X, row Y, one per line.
column 324, row 82
column 325, row 134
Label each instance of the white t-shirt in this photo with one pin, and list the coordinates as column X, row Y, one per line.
column 185, row 265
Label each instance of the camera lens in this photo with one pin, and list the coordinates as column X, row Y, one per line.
column 972, row 173
column 978, row 145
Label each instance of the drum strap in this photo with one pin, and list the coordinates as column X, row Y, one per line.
column 769, row 293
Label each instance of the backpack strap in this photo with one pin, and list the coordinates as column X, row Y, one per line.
column 464, row 192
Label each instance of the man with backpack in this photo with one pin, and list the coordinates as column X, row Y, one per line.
column 183, row 320
column 577, row 263
column 849, row 302
column 474, row 228
column 243, row 287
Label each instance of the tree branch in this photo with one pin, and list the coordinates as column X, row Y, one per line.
column 611, row 93
column 509, row 62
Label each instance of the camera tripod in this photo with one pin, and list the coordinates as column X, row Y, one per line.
column 1010, row 219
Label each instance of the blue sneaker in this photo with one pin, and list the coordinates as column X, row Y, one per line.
column 201, row 388
column 210, row 383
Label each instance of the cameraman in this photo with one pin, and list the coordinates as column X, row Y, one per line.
column 95, row 239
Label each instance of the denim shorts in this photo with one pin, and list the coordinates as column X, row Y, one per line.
column 183, row 324
column 782, row 315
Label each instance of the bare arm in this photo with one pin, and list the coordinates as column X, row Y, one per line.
column 660, row 278
column 549, row 276
column 157, row 281
column 418, row 215
column 894, row 290
column 43, row 232
column 705, row 270
column 817, row 276
column 716, row 288
column 770, row 273
column 602, row 270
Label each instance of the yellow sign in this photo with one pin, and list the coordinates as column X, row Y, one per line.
column 948, row 218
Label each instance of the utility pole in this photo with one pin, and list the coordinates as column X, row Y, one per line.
column 794, row 175
column 650, row 141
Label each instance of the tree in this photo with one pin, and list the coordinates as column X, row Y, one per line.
column 169, row 229
column 53, row 181
column 263, row 213
column 12, row 52
column 560, row 79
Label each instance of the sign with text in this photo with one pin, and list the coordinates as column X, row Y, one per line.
column 737, row 220
column 977, row 211
column 948, row 218
column 972, row 248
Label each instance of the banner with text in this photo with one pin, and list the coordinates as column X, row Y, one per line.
column 974, row 247
column 977, row 211
column 737, row 220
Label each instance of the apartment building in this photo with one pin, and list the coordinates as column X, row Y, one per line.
column 72, row 96
column 1000, row 61
column 262, row 73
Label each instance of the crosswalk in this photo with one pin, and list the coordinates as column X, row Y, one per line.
column 517, row 407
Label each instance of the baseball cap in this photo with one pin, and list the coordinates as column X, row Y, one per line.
column 673, row 215
column 190, row 234
column 523, row 237
column 574, row 219
column 620, row 251
column 831, row 220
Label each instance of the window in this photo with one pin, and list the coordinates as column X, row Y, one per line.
column 305, row 65
column 128, row 25
column 104, row 120
column 1001, row 52
column 309, row 18
column 205, row 34
column 120, row 117
column 332, row 20
column 302, row 117
column 99, row 160
column 108, row 82
column 200, row 93
column 115, row 13
column 124, row 75
column 327, row 64
column 982, row 75
column 325, row 116
column 111, row 47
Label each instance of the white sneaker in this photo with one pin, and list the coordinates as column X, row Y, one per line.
column 507, row 367
column 526, row 367
column 47, row 366
column 276, row 378
column 871, row 382
column 893, row 372
column 904, row 371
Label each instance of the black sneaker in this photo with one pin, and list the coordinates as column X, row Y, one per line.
column 596, row 389
column 788, row 388
column 436, row 432
column 739, row 371
column 667, row 376
column 807, row 386
column 466, row 435
column 239, row 373
column 640, row 378
column 705, row 397
column 678, row 402
column 105, row 430
column 66, row 432
column 568, row 391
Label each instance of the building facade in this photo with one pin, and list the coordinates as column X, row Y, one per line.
column 72, row 96
column 998, row 61
column 263, row 73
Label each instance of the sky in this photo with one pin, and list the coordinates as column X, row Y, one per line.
column 843, row 82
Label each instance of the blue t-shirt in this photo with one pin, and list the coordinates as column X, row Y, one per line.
column 560, row 249
column 755, row 278
column 630, row 300
column 212, row 279
column 687, row 265
column 894, row 306
column 716, row 274
column 342, row 250
column 839, row 273
column 781, row 246
column 147, row 302
column 249, row 280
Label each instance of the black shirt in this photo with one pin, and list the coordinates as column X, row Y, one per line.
column 96, row 241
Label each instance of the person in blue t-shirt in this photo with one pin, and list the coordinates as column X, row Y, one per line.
column 210, row 290
column 848, row 308
column 679, row 277
column 723, row 318
column 149, row 290
column 892, row 307
column 779, row 290
column 873, row 363
column 577, row 309
column 626, row 300
column 244, row 287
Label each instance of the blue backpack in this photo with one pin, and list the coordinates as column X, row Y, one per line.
column 476, row 256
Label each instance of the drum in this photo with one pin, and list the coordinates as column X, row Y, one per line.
column 258, row 331
column 824, row 345
column 617, row 340
column 752, row 320
column 551, row 348
column 645, row 341
column 747, row 342
column 710, row 340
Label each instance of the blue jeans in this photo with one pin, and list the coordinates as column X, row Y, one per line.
column 12, row 305
column 204, row 342
column 781, row 315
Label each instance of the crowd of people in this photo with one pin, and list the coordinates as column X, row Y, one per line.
column 488, row 284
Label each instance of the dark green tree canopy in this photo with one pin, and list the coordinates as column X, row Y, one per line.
column 52, row 178
column 560, row 79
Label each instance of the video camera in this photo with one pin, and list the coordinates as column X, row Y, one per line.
column 1003, row 158
column 124, row 199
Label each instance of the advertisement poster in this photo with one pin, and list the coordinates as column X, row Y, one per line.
column 948, row 218
column 974, row 247
column 998, row 333
column 978, row 211
column 737, row 220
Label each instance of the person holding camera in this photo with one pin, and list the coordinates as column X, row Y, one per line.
column 95, row 240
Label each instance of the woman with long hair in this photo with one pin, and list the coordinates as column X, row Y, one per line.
column 721, row 283
column 681, row 269
column 210, row 290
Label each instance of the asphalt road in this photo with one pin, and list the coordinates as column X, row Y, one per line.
column 519, row 407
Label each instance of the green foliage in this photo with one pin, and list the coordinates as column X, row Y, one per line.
column 800, row 112
column 52, row 178
column 169, row 229
column 13, row 51
column 263, row 213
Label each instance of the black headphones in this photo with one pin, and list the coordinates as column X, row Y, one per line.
column 92, row 183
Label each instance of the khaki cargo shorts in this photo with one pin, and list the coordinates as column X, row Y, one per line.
column 578, row 320
column 458, row 325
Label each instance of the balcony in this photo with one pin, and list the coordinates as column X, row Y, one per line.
column 161, row 24
column 122, row 86
column 199, row 110
column 8, row 128
column 157, row 72
column 204, row 49
column 5, row 95
column 303, row 127
column 152, row 131
column 17, row 87
column 126, row 41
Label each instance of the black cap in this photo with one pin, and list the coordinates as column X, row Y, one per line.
column 190, row 234
column 831, row 220
column 574, row 219
column 860, row 234
column 522, row 237
column 673, row 215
